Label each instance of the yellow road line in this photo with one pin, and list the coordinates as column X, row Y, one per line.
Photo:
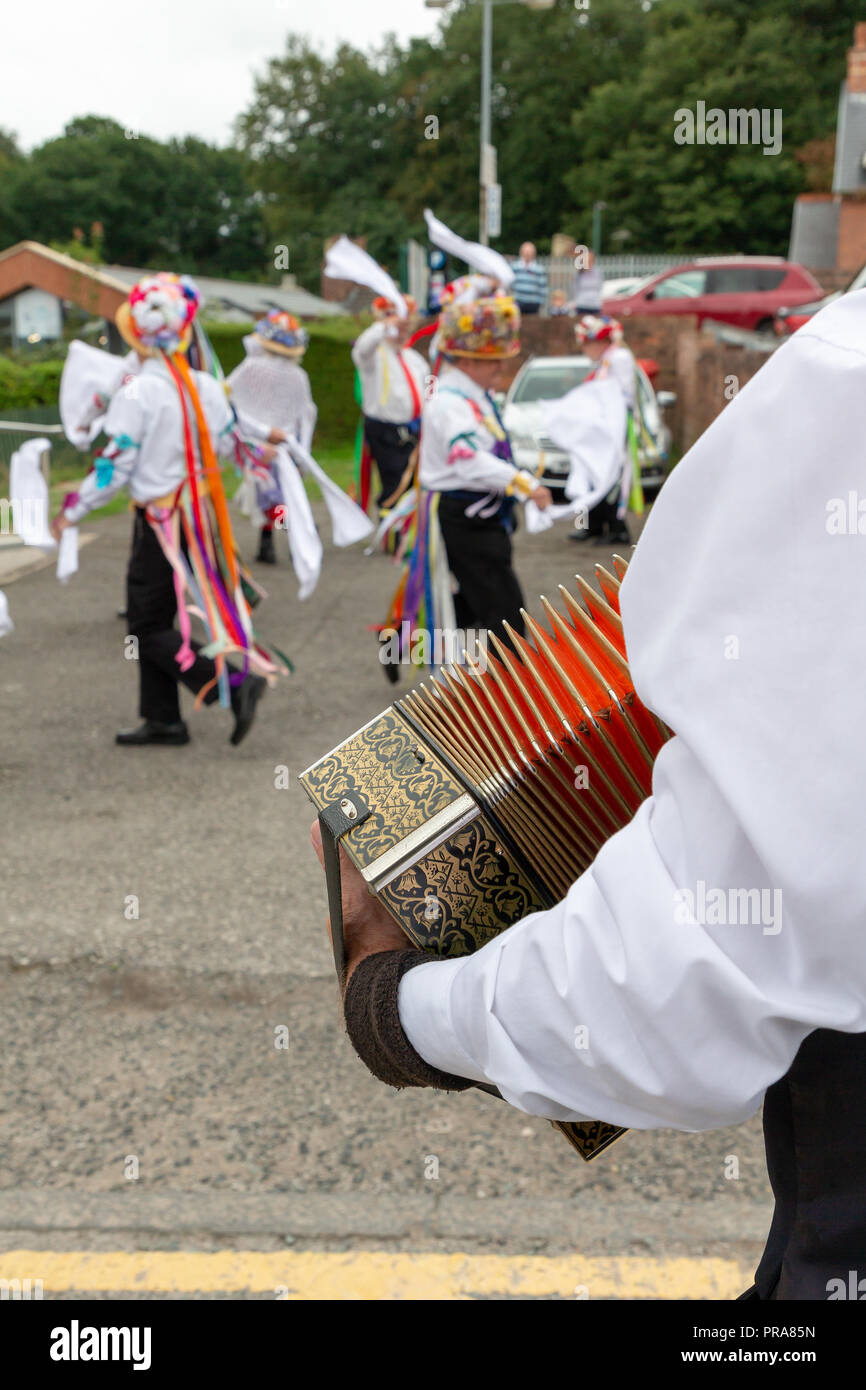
column 375, row 1274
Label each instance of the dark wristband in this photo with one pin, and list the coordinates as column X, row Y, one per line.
column 374, row 1028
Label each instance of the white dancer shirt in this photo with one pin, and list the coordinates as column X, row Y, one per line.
column 726, row 921
column 457, row 447
column 618, row 363
column 385, row 393
column 146, row 450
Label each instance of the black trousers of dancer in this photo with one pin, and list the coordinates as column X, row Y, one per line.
column 815, row 1136
column 391, row 447
column 479, row 557
column 151, row 606
column 602, row 519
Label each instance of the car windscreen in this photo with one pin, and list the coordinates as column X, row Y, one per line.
column 549, row 383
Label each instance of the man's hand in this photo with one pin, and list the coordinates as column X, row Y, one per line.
column 367, row 926
column 59, row 525
column 268, row 453
column 542, row 498
column 276, row 437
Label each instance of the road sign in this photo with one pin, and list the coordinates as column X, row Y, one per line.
column 488, row 165
column 494, row 209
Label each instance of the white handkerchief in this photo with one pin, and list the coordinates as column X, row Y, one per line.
column 28, row 492
column 6, row 623
column 67, row 554
column 305, row 547
column 348, row 523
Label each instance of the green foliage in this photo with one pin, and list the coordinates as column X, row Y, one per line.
column 25, row 384
column 184, row 203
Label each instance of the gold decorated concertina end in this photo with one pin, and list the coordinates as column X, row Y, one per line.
column 427, row 850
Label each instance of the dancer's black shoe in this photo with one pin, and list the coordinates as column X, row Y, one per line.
column 267, row 555
column 151, row 731
column 245, row 698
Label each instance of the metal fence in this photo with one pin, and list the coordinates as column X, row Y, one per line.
column 561, row 270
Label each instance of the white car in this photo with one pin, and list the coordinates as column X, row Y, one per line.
column 548, row 379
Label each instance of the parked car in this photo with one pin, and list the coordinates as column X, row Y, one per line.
column 788, row 320
column 745, row 291
column 548, row 379
column 616, row 289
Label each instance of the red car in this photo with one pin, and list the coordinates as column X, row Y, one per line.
column 746, row 291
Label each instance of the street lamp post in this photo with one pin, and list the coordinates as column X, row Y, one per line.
column 486, row 84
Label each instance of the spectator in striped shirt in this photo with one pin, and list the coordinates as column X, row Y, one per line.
column 530, row 281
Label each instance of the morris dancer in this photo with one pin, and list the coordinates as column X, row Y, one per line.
column 745, row 635
column 601, row 339
column 466, row 461
column 164, row 430
column 467, row 488
column 392, row 393
column 271, row 393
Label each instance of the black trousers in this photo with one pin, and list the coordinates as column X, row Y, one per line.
column 602, row 519
column 479, row 557
column 815, row 1134
column 391, row 447
column 151, row 607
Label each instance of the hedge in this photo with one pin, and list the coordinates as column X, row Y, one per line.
column 24, row 384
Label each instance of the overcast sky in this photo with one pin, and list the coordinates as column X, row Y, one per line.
column 166, row 67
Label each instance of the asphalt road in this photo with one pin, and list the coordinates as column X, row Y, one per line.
column 152, row 1037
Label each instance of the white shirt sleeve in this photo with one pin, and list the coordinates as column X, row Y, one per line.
column 115, row 463
column 621, row 365
column 219, row 415
column 612, row 1006
column 455, row 451
column 309, row 415
column 366, row 344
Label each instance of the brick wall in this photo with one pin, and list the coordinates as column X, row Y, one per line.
column 857, row 60
column 851, row 251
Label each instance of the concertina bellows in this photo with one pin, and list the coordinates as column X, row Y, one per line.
column 479, row 797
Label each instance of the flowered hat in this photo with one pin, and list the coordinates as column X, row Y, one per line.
column 158, row 315
column 485, row 328
column 598, row 328
column 383, row 307
column 468, row 288
column 282, row 333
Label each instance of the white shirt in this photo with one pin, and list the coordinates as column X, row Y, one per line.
column 273, row 392
column 146, row 452
column 385, row 392
column 745, row 620
column 618, row 362
column 456, row 447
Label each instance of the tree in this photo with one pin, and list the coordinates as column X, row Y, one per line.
column 185, row 204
